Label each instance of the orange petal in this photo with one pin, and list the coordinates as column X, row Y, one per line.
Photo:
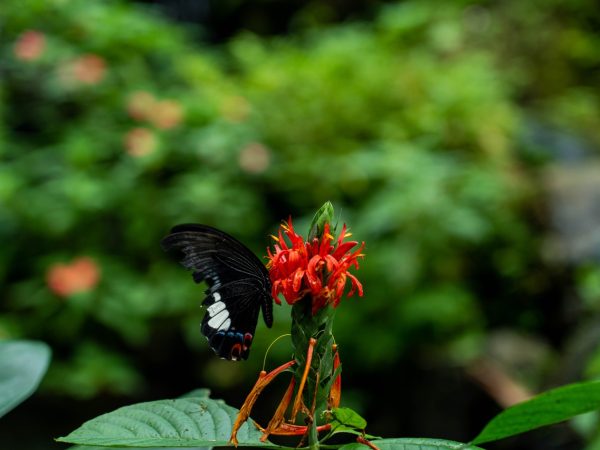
column 335, row 393
column 264, row 379
column 298, row 400
column 287, row 429
column 278, row 417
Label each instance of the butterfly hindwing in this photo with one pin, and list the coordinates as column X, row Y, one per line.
column 230, row 319
column 238, row 282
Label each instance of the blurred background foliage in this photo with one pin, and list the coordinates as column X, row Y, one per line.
column 458, row 139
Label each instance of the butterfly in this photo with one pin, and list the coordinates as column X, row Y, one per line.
column 238, row 286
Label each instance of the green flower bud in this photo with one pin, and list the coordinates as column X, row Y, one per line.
column 323, row 215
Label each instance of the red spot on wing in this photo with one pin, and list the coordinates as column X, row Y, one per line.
column 236, row 350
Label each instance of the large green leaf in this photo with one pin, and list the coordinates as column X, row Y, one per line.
column 550, row 407
column 412, row 444
column 184, row 422
column 22, row 366
column 96, row 447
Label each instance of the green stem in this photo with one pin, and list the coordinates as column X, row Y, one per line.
column 313, row 437
column 305, row 326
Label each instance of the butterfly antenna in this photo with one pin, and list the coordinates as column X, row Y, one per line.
column 269, row 348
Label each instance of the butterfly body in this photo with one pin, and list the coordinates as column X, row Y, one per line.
column 238, row 286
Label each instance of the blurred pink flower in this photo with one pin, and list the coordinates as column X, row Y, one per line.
column 140, row 105
column 89, row 69
column 86, row 69
column 254, row 158
column 30, row 45
column 166, row 114
column 140, row 142
column 82, row 275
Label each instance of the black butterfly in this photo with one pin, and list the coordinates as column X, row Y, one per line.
column 238, row 281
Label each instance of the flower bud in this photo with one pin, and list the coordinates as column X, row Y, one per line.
column 323, row 215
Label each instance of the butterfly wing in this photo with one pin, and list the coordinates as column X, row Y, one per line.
column 238, row 283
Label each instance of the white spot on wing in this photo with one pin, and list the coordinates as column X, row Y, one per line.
column 216, row 296
column 219, row 320
column 225, row 325
column 215, row 308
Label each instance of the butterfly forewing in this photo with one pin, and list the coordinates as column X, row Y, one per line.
column 238, row 283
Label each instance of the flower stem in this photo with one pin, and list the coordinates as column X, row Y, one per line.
column 313, row 351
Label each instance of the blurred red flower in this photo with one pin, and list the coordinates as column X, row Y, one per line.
column 30, row 45
column 318, row 269
column 82, row 275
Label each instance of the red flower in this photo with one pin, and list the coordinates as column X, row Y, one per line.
column 318, row 268
column 82, row 275
column 30, row 45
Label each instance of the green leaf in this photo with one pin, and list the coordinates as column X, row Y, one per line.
column 22, row 366
column 547, row 408
column 346, row 420
column 412, row 444
column 349, row 418
column 200, row 393
column 184, row 422
column 95, row 447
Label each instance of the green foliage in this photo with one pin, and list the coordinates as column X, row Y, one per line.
column 201, row 421
column 93, row 370
column 547, row 408
column 93, row 169
column 346, row 420
column 103, row 168
column 185, row 422
column 416, row 124
column 413, row 443
column 22, row 366
column 349, row 418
